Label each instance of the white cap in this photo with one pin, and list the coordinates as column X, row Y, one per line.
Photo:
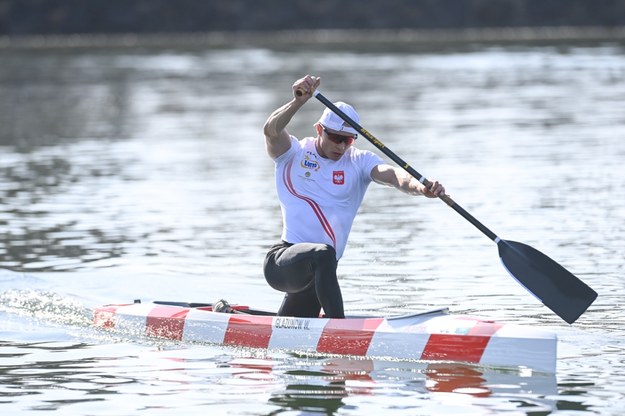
column 333, row 122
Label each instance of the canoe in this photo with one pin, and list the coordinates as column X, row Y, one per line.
column 435, row 335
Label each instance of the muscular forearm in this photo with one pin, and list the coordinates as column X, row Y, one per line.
column 397, row 178
column 280, row 118
column 390, row 176
column 408, row 184
column 277, row 138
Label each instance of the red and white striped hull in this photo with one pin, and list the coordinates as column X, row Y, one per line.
column 435, row 336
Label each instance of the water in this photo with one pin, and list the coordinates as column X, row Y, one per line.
column 140, row 172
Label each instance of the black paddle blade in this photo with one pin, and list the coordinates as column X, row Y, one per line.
column 557, row 288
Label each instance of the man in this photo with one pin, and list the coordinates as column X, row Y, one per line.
column 321, row 182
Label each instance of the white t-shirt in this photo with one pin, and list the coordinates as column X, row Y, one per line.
column 320, row 197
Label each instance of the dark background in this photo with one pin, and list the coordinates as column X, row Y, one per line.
column 28, row 17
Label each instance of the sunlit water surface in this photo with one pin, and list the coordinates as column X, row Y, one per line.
column 140, row 173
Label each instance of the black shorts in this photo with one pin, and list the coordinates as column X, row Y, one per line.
column 306, row 272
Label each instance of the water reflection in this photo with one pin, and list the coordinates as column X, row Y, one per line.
column 43, row 204
column 323, row 385
column 99, row 115
column 74, row 376
column 67, row 98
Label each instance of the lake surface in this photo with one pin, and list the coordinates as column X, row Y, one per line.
column 140, row 172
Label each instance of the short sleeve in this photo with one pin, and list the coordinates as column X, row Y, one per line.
column 289, row 153
column 366, row 161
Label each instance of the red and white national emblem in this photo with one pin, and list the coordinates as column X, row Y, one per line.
column 338, row 177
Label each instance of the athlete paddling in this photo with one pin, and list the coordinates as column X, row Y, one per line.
column 321, row 182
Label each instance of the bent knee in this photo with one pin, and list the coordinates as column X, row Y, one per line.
column 325, row 248
column 325, row 253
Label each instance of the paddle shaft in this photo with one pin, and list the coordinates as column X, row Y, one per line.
column 388, row 152
column 552, row 284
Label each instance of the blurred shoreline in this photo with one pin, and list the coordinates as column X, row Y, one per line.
column 321, row 37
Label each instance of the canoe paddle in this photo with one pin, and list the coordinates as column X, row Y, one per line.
column 557, row 288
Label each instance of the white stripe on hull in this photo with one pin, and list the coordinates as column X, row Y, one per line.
column 434, row 336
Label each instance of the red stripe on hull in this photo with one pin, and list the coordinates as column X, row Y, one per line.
column 252, row 332
column 166, row 322
column 351, row 336
column 103, row 317
column 469, row 347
